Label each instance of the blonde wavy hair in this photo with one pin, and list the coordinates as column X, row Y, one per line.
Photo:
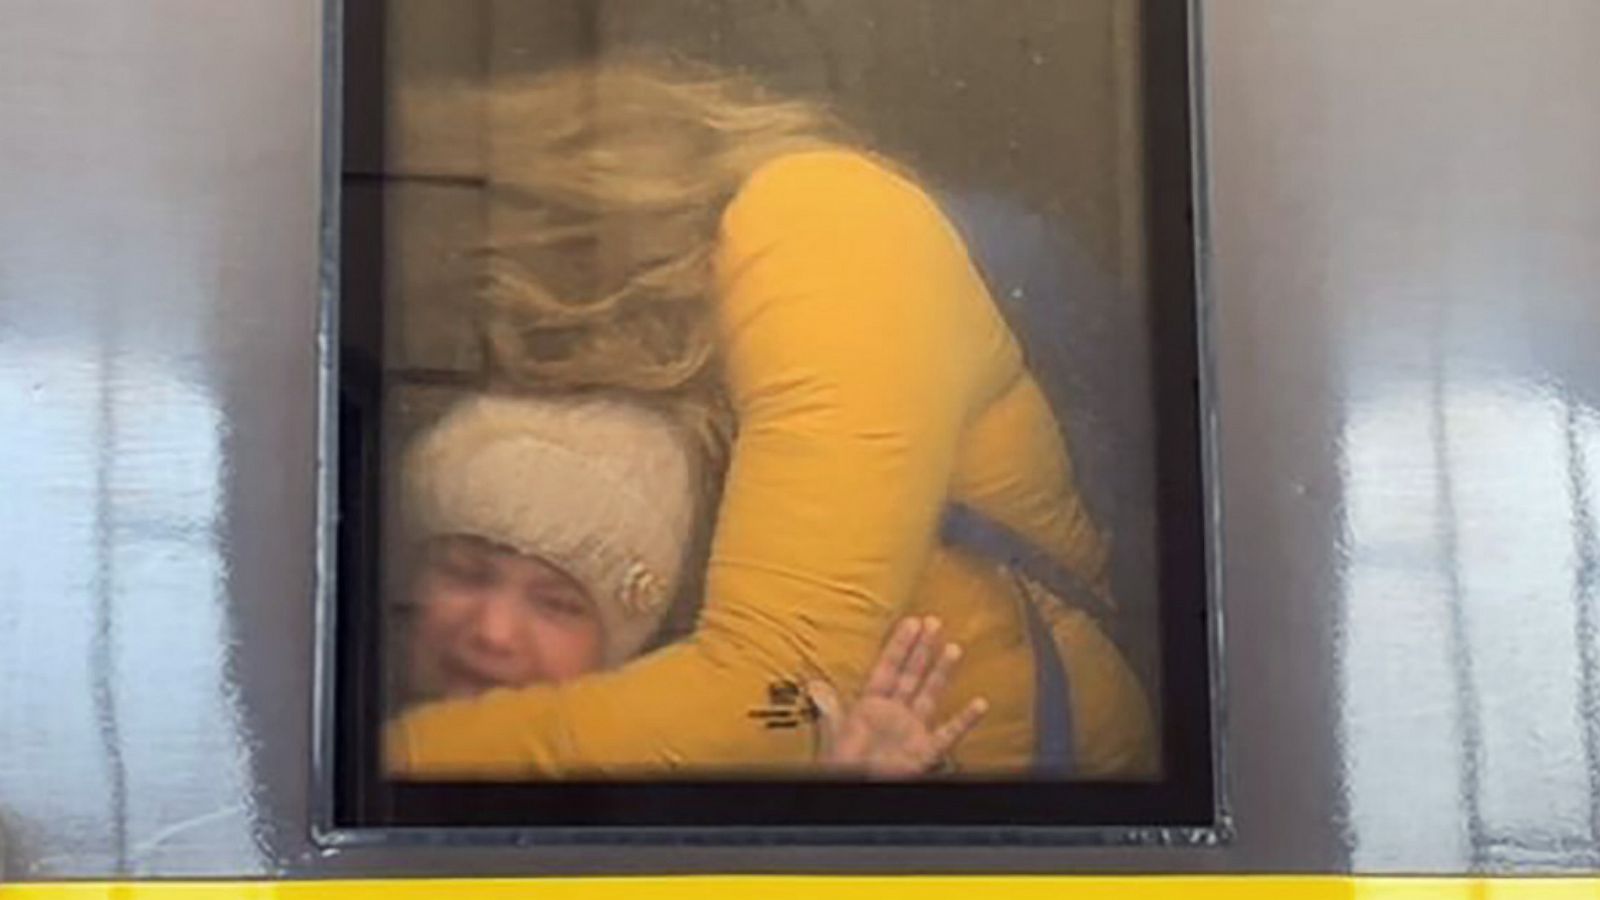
column 607, row 183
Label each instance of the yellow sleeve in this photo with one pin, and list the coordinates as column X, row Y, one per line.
column 857, row 345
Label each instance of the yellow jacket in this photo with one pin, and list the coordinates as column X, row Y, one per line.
column 874, row 380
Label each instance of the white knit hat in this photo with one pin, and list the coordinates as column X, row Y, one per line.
column 600, row 487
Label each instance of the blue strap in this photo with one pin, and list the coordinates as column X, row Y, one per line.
column 976, row 533
column 1052, row 701
column 982, row 536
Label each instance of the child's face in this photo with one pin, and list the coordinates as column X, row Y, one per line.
column 489, row 617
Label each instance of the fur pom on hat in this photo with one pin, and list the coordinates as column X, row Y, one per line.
column 602, row 488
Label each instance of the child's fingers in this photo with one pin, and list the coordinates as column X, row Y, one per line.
column 927, row 698
column 886, row 672
column 914, row 669
column 951, row 732
column 830, row 712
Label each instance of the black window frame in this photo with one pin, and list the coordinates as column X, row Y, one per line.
column 354, row 805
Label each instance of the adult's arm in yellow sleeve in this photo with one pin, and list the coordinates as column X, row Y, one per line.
column 853, row 352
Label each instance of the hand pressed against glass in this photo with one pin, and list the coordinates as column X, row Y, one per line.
column 889, row 731
column 489, row 617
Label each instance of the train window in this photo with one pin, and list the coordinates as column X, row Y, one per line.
column 767, row 414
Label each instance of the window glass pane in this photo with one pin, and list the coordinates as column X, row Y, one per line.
column 769, row 389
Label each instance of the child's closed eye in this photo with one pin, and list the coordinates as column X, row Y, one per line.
column 466, row 572
column 561, row 604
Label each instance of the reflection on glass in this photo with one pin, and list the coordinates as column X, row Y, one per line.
column 120, row 601
column 1465, row 580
